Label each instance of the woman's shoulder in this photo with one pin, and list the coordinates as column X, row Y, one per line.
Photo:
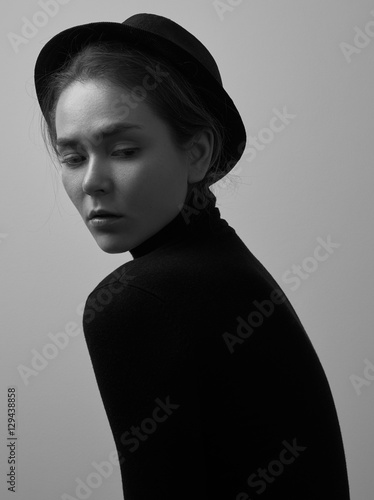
column 192, row 272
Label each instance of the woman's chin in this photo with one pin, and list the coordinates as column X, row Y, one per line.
column 110, row 244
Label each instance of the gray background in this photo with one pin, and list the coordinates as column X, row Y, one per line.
column 312, row 180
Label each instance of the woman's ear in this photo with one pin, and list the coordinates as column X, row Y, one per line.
column 199, row 155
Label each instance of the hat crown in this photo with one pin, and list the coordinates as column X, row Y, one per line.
column 163, row 38
column 172, row 32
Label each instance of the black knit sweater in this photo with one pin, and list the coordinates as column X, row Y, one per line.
column 211, row 385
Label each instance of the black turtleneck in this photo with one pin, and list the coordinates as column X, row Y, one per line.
column 212, row 388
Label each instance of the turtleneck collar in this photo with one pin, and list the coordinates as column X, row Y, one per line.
column 188, row 221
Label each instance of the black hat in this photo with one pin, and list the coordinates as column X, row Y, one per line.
column 163, row 37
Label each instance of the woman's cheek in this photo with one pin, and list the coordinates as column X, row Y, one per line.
column 72, row 186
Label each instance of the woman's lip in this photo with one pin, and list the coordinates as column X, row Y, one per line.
column 104, row 220
column 99, row 216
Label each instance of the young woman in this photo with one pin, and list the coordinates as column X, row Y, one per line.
column 211, row 385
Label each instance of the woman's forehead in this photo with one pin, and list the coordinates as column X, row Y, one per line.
column 89, row 115
column 100, row 106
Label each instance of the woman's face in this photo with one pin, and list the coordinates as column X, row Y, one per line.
column 135, row 171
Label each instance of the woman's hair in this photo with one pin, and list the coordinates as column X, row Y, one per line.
column 173, row 98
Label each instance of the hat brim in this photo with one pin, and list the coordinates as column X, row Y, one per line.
column 67, row 43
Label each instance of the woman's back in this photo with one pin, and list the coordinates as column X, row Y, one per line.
column 196, row 325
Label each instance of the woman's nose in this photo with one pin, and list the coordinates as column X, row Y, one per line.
column 97, row 176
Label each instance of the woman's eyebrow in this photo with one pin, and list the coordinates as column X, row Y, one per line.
column 108, row 131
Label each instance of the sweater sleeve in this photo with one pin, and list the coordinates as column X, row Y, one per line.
column 142, row 362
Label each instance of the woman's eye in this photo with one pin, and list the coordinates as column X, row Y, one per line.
column 126, row 152
column 71, row 160
column 75, row 160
